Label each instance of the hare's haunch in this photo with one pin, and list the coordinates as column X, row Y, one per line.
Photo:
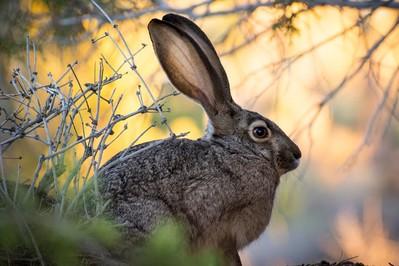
column 222, row 186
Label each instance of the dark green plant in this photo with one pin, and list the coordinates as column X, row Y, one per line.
column 169, row 247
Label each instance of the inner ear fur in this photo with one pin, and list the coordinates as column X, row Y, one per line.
column 205, row 44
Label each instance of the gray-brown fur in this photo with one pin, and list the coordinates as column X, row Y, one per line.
column 222, row 186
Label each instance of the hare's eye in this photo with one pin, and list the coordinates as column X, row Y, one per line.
column 258, row 131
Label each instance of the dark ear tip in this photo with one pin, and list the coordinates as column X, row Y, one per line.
column 168, row 16
column 171, row 17
column 154, row 22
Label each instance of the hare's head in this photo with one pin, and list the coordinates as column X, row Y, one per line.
column 193, row 67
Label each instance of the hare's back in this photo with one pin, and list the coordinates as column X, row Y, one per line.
column 175, row 166
column 154, row 164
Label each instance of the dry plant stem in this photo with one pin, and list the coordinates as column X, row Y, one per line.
column 64, row 108
column 52, row 144
column 77, row 177
column 111, row 124
column 155, row 102
column 34, row 61
column 93, row 157
column 65, row 131
column 37, row 122
column 32, row 88
column 35, row 177
column 17, row 183
column 99, row 132
column 3, row 175
column 28, row 58
column 97, row 153
column 92, row 136
column 107, row 132
column 83, row 93
column 52, row 158
column 21, row 99
column 61, row 128
column 78, row 196
column 140, row 97
column 106, row 61
column 133, row 66
column 66, row 185
column 137, row 139
column 112, row 141
column 70, row 68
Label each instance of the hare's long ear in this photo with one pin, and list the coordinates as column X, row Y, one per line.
column 203, row 42
column 193, row 67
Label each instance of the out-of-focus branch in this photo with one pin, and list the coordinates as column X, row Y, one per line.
column 192, row 10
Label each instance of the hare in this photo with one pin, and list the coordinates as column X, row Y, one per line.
column 221, row 186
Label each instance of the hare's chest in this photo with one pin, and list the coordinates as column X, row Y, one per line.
column 250, row 223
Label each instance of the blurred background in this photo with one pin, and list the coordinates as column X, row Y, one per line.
column 325, row 71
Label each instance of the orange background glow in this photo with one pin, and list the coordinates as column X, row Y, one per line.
column 343, row 200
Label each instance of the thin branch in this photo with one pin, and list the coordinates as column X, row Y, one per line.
column 198, row 11
column 371, row 127
column 363, row 61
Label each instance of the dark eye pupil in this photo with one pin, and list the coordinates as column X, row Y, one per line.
column 260, row 132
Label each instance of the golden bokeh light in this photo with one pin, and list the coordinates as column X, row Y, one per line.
column 284, row 77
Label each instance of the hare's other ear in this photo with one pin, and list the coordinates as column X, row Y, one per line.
column 198, row 74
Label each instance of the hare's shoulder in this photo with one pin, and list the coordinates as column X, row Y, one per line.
column 126, row 154
column 151, row 162
column 158, row 150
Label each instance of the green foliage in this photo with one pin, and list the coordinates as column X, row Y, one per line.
column 168, row 247
column 31, row 232
column 104, row 231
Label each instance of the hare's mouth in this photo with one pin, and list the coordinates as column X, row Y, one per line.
column 295, row 164
column 288, row 164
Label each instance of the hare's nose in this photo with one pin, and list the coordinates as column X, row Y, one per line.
column 296, row 152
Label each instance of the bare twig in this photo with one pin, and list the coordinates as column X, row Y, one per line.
column 200, row 10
